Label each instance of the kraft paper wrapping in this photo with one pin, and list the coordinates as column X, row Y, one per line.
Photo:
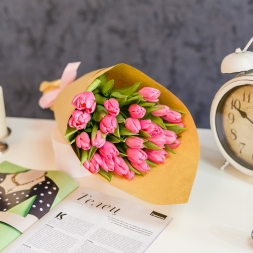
column 168, row 183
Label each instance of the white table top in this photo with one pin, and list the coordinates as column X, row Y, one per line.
column 217, row 218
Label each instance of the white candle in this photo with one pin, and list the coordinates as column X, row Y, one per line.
column 3, row 126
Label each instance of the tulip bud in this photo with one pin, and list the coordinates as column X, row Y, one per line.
column 141, row 167
column 108, row 124
column 134, row 142
column 150, row 94
column 175, row 144
column 112, row 106
column 161, row 112
column 173, row 117
column 136, row 155
column 133, row 125
column 108, row 150
column 121, row 167
column 93, row 165
column 156, row 156
column 98, row 141
column 170, row 136
column 130, row 175
column 83, row 141
column 85, row 101
column 79, row 119
column 136, row 111
column 158, row 139
column 107, row 164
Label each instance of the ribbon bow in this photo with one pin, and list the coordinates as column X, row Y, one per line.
column 52, row 89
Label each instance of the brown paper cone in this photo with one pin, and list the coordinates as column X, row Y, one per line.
column 168, row 183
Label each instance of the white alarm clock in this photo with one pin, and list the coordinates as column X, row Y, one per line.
column 231, row 116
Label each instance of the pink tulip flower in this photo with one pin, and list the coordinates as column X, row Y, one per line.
column 156, row 156
column 136, row 111
column 133, row 125
column 155, row 129
column 79, row 119
column 108, row 151
column 98, row 141
column 130, row 175
column 170, row 136
column 83, row 141
column 112, row 106
column 93, row 165
column 134, row 142
column 108, row 124
column 161, row 112
column 175, row 144
column 150, row 94
column 85, row 101
column 107, row 164
column 158, row 139
column 173, row 117
column 145, row 124
column 149, row 127
column 141, row 167
column 136, row 155
column 121, row 167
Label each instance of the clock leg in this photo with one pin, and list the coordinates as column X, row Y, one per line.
column 224, row 165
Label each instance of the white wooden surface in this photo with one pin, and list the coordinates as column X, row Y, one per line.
column 217, row 218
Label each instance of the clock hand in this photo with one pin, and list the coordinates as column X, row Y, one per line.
column 244, row 115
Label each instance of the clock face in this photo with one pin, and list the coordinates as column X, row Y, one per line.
column 234, row 123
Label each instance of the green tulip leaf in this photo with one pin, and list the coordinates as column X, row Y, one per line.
column 76, row 150
column 155, row 108
column 125, row 131
column 155, row 119
column 84, row 156
column 103, row 79
column 169, row 149
column 106, row 175
column 129, row 90
column 144, row 134
column 107, row 87
column 122, row 154
column 182, row 112
column 100, row 99
column 175, row 128
column 119, row 97
column 99, row 113
column 132, row 100
column 94, row 85
column 112, row 139
column 151, row 145
column 151, row 163
column 146, row 104
column 91, row 152
column 70, row 131
column 132, row 168
column 94, row 131
column 120, row 118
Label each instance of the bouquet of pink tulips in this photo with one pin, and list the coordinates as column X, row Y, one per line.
column 122, row 131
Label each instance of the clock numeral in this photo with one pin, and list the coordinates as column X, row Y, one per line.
column 235, row 104
column 245, row 97
column 231, row 118
column 233, row 135
column 241, row 146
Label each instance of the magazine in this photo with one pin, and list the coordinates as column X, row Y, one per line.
column 89, row 221
column 26, row 196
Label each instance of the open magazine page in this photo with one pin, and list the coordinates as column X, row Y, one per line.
column 88, row 221
column 26, row 196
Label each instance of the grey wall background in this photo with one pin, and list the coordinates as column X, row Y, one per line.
column 179, row 43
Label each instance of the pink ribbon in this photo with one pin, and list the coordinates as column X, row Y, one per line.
column 68, row 76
